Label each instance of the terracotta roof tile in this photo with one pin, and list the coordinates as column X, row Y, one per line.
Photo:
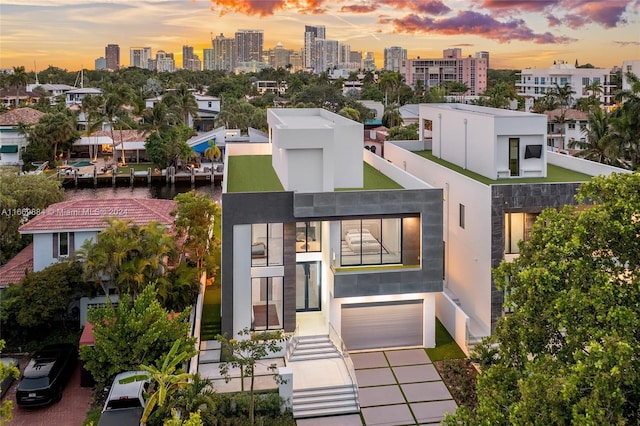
column 92, row 214
column 13, row 271
column 570, row 114
column 20, row 115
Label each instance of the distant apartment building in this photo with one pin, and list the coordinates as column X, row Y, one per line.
column 249, row 45
column 100, row 63
column 311, row 33
column 207, row 59
column 483, row 54
column 356, row 58
column 633, row 67
column 536, row 82
column 223, row 53
column 326, row 55
column 190, row 61
column 278, row 56
column 297, row 60
column 164, row 62
column 369, row 62
column 139, row 57
column 112, row 55
column 452, row 67
column 394, row 58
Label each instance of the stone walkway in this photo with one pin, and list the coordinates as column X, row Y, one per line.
column 397, row 387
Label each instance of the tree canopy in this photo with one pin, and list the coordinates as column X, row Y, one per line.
column 568, row 354
column 132, row 334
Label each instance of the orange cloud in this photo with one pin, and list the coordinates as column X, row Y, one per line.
column 266, row 7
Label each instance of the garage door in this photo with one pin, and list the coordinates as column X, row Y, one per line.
column 382, row 325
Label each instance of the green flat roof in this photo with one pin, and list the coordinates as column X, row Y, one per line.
column 8, row 149
column 254, row 173
column 555, row 174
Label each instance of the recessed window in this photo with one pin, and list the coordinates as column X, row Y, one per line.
column 308, row 237
column 267, row 294
column 371, row 241
column 461, row 210
column 267, row 244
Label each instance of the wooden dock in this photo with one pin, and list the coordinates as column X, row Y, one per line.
column 169, row 175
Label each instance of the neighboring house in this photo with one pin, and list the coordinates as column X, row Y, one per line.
column 52, row 91
column 536, row 82
column 14, row 270
column 320, row 249
column 101, row 143
column 8, row 97
column 630, row 66
column 12, row 143
column 75, row 96
column 222, row 136
column 264, row 86
column 376, row 108
column 562, row 130
column 409, row 114
column 208, row 109
column 497, row 177
column 64, row 227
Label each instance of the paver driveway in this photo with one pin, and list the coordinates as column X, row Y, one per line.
column 397, row 387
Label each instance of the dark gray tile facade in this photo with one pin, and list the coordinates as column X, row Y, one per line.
column 289, row 207
column 525, row 198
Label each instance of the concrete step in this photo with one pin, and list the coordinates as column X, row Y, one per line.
column 209, row 344
column 302, row 414
column 295, row 358
column 209, row 356
column 324, row 401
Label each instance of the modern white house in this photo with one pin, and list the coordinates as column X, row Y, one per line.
column 12, row 142
column 535, row 82
column 496, row 178
column 75, row 96
column 311, row 246
column 208, row 109
column 631, row 66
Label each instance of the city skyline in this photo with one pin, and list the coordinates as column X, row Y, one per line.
column 71, row 34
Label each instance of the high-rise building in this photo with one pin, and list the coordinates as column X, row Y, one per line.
column 279, row 57
column 207, row 59
column 356, row 58
column 164, row 62
column 190, row 61
column 311, row 33
column 369, row 61
column 326, row 55
column 223, row 53
column 485, row 55
column 112, row 56
column 296, row 60
column 452, row 67
column 344, row 55
column 100, row 63
column 249, row 45
column 139, row 57
column 394, row 57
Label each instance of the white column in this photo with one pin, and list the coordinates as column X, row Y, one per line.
column 285, row 387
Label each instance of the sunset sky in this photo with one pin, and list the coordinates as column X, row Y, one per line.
column 518, row 33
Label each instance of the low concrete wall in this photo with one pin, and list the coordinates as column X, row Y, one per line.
column 581, row 165
column 454, row 320
column 405, row 179
column 412, row 145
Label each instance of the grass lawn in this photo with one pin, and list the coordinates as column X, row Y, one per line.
column 211, row 321
column 554, row 173
column 446, row 347
column 374, row 179
column 252, row 173
column 138, row 167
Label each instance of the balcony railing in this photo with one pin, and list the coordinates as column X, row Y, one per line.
column 342, row 348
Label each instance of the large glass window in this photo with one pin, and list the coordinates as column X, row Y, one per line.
column 267, row 294
column 308, row 237
column 371, row 241
column 267, row 244
column 308, row 286
column 517, row 227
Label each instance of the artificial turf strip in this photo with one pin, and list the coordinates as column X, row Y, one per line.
column 251, row 173
column 446, row 347
column 374, row 180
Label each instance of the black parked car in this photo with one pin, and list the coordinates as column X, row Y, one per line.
column 46, row 374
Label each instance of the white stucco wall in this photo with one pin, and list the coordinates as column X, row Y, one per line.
column 581, row 165
column 468, row 250
column 241, row 277
column 43, row 247
column 476, row 138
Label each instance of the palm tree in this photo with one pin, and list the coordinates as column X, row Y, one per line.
column 91, row 106
column 58, row 128
column 198, row 395
column 185, row 104
column 19, row 79
column 115, row 100
column 166, row 378
column 388, row 82
column 598, row 144
column 212, row 153
column 157, row 118
column 391, row 117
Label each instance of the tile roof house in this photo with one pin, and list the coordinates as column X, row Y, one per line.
column 12, row 143
column 14, row 270
column 64, row 227
column 562, row 131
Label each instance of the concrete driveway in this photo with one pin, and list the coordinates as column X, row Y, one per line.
column 71, row 410
column 397, row 387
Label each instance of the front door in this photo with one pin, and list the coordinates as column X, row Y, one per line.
column 308, row 286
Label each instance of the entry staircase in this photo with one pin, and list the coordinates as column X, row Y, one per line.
column 338, row 398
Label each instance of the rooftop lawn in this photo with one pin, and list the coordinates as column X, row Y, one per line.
column 554, row 173
column 254, row 173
